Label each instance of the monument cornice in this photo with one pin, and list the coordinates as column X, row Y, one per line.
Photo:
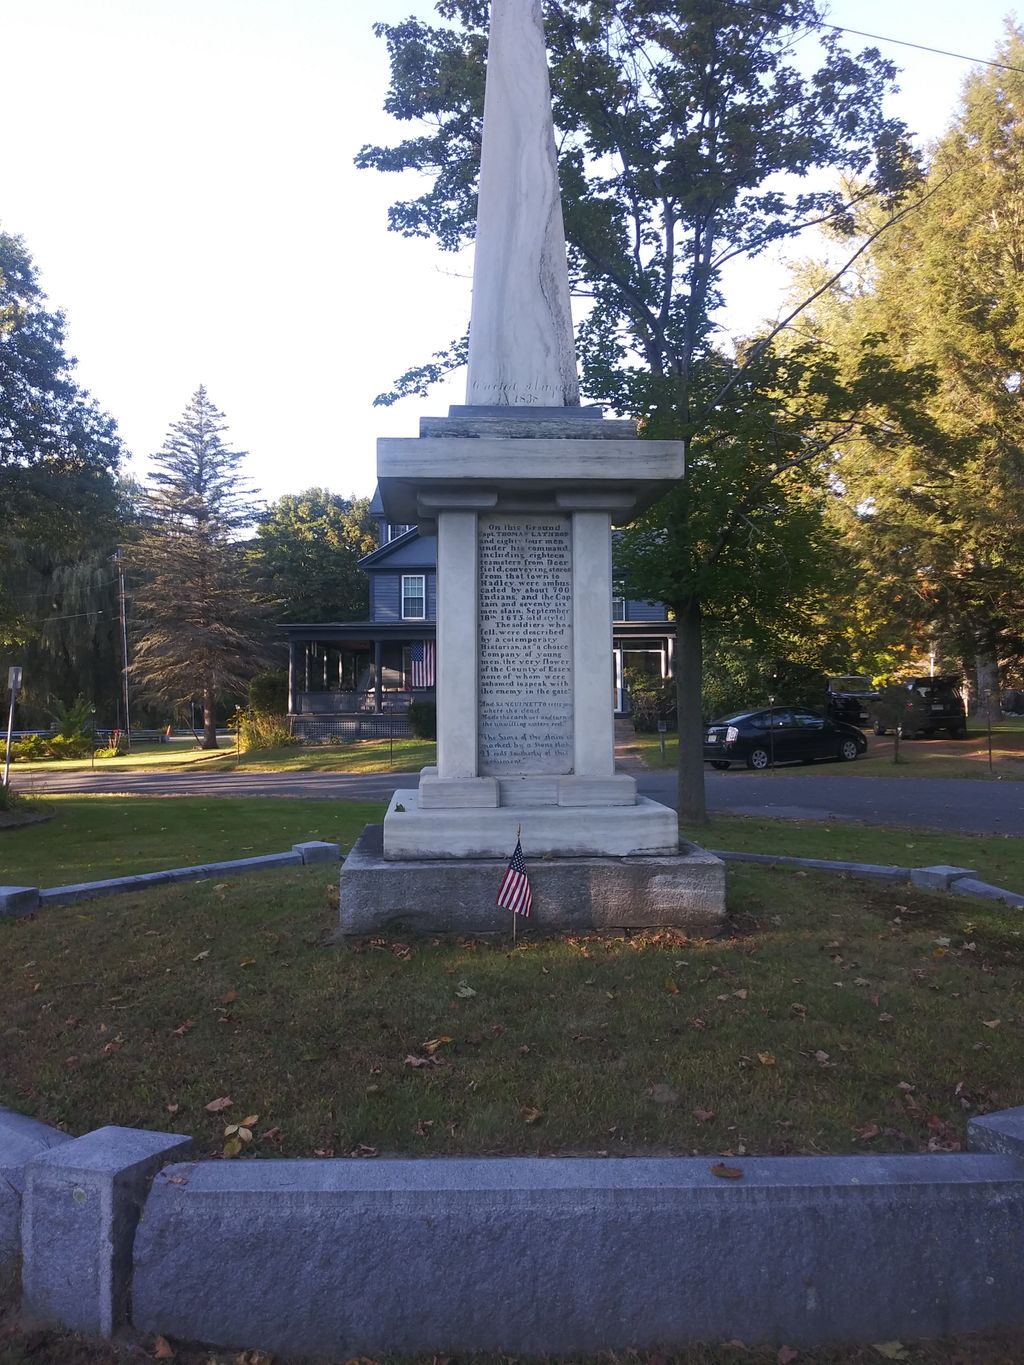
column 419, row 477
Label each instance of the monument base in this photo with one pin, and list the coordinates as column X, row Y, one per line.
column 684, row 889
column 414, row 830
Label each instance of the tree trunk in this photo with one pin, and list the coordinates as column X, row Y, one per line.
column 987, row 676
column 689, row 670
column 209, row 718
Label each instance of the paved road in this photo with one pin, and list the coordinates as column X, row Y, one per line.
column 971, row 805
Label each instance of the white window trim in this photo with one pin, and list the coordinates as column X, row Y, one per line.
column 422, row 578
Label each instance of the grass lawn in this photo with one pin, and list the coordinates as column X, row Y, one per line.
column 941, row 757
column 997, row 858
column 91, row 837
column 832, row 1016
column 359, row 756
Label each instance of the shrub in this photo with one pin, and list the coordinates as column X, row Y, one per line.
column 31, row 748
column 262, row 730
column 651, row 700
column 69, row 746
column 71, row 721
column 422, row 717
column 269, row 692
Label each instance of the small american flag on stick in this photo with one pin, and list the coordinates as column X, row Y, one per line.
column 514, row 893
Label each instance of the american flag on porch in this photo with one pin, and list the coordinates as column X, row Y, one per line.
column 421, row 659
column 514, row 893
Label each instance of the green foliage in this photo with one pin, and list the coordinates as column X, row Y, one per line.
column 35, row 747
column 72, row 720
column 422, row 717
column 259, row 729
column 937, row 522
column 306, row 554
column 269, row 692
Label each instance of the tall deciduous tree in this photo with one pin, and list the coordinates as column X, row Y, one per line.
column 688, row 138
column 938, row 523
column 197, row 620
column 59, row 453
column 306, row 551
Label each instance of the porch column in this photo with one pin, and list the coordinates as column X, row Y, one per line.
column 305, row 671
column 378, row 697
column 671, row 657
column 291, row 677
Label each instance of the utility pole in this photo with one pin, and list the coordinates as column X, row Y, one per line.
column 124, row 648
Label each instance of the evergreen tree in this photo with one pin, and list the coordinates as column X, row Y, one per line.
column 937, row 521
column 197, row 626
column 688, row 138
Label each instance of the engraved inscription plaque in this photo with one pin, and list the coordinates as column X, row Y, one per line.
column 525, row 644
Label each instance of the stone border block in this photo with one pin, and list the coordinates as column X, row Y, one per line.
column 534, row 1256
column 1002, row 1132
column 884, row 872
column 80, row 1210
column 939, row 877
column 18, row 900
column 968, row 886
column 317, row 851
column 142, row 881
column 21, row 1139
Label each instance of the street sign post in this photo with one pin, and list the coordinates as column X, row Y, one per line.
column 14, row 686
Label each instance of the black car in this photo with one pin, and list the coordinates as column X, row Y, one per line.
column 922, row 706
column 780, row 734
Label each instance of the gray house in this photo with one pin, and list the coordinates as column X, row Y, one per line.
column 343, row 671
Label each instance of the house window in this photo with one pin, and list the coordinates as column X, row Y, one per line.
column 414, row 597
column 618, row 608
column 394, row 531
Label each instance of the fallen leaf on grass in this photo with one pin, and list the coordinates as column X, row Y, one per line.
column 741, row 995
column 766, row 1058
column 886, row 1018
column 905, row 1086
column 464, row 992
column 703, row 1115
column 787, row 1355
column 228, row 998
column 991, row 1023
column 172, row 1108
column 432, row 1044
column 414, row 1061
column 218, row 1106
column 726, row 1172
column 798, row 1009
column 182, row 1029
column 423, row 1127
column 162, row 1349
column 671, row 987
column 528, row 1114
column 822, row 1058
column 247, row 962
column 867, row 1132
column 891, row 1350
column 200, row 956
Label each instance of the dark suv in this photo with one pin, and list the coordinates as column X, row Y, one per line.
column 922, row 706
column 847, row 698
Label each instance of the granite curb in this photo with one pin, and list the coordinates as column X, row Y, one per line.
column 26, row 900
column 940, row 877
column 21, row 1140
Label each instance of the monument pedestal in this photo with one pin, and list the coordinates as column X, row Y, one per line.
column 524, row 505
column 455, row 895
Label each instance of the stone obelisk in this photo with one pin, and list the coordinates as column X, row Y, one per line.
column 523, row 486
column 521, row 349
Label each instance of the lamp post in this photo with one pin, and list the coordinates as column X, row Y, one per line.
column 771, row 733
column 92, row 731
column 14, row 685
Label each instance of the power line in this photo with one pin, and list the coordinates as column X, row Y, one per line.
column 883, row 38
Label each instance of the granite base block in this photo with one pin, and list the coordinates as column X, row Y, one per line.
column 79, row 1214
column 1001, row 1132
column 456, row 895
column 21, row 1140
column 18, row 900
column 543, row 1256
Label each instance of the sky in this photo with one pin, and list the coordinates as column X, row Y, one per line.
column 181, row 172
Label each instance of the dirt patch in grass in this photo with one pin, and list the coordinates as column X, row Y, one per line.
column 831, row 1017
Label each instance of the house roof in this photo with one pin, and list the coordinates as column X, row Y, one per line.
column 425, row 555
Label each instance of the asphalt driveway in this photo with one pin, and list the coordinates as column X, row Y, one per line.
column 973, row 806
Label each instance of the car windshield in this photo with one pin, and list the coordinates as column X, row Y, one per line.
column 850, row 683
column 731, row 720
column 939, row 688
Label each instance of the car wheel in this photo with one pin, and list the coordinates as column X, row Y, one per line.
column 878, row 729
column 759, row 759
column 848, row 750
column 958, row 732
column 717, row 763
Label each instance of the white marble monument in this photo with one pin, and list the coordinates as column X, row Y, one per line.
column 524, row 486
